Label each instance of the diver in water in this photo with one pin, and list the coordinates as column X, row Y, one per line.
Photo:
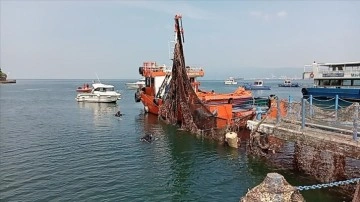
column 118, row 114
column 148, row 138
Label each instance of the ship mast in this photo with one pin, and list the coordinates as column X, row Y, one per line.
column 179, row 36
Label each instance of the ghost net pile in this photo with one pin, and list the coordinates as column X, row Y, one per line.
column 181, row 105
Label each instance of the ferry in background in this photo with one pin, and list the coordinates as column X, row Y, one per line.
column 331, row 79
column 230, row 81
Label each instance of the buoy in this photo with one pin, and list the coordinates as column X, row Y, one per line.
column 146, row 108
column 232, row 139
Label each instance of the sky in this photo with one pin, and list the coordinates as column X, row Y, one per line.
column 78, row 39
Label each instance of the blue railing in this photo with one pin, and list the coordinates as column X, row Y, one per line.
column 353, row 110
column 326, row 114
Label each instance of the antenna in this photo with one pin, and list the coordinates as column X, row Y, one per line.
column 171, row 45
column 97, row 77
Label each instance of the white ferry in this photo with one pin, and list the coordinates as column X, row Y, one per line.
column 331, row 79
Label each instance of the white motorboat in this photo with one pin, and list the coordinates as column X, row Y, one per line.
column 135, row 85
column 230, row 81
column 99, row 93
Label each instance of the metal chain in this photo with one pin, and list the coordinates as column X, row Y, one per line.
column 331, row 184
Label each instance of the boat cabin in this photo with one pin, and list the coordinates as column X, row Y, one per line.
column 258, row 83
column 99, row 87
column 156, row 75
column 336, row 75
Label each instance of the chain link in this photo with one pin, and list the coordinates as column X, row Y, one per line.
column 331, row 184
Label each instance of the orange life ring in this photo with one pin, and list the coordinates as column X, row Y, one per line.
column 311, row 75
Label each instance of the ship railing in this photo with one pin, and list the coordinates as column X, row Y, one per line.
column 346, row 70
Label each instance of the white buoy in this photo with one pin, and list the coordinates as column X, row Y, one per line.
column 232, row 139
column 146, row 108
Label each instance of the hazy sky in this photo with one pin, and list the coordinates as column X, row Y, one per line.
column 75, row 39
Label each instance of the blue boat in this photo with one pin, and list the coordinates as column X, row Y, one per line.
column 257, row 85
column 331, row 79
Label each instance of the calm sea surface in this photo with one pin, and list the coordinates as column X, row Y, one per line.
column 55, row 149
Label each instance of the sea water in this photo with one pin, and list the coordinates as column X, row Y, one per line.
column 53, row 148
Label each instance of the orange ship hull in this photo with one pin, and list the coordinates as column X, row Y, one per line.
column 149, row 104
column 226, row 113
column 230, row 109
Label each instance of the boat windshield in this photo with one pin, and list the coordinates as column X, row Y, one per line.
column 258, row 83
column 104, row 89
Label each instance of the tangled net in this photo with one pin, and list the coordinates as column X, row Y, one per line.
column 181, row 105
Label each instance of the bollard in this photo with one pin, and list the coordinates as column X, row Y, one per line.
column 311, row 106
column 356, row 120
column 303, row 114
column 273, row 188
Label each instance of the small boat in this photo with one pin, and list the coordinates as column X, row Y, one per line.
column 230, row 81
column 334, row 79
column 84, row 89
column 288, row 83
column 136, row 85
column 100, row 93
column 257, row 85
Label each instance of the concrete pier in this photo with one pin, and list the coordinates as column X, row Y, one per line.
column 320, row 153
column 317, row 138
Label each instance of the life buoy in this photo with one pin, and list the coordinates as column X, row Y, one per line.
column 311, row 75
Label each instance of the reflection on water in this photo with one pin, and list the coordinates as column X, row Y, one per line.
column 100, row 108
column 101, row 111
